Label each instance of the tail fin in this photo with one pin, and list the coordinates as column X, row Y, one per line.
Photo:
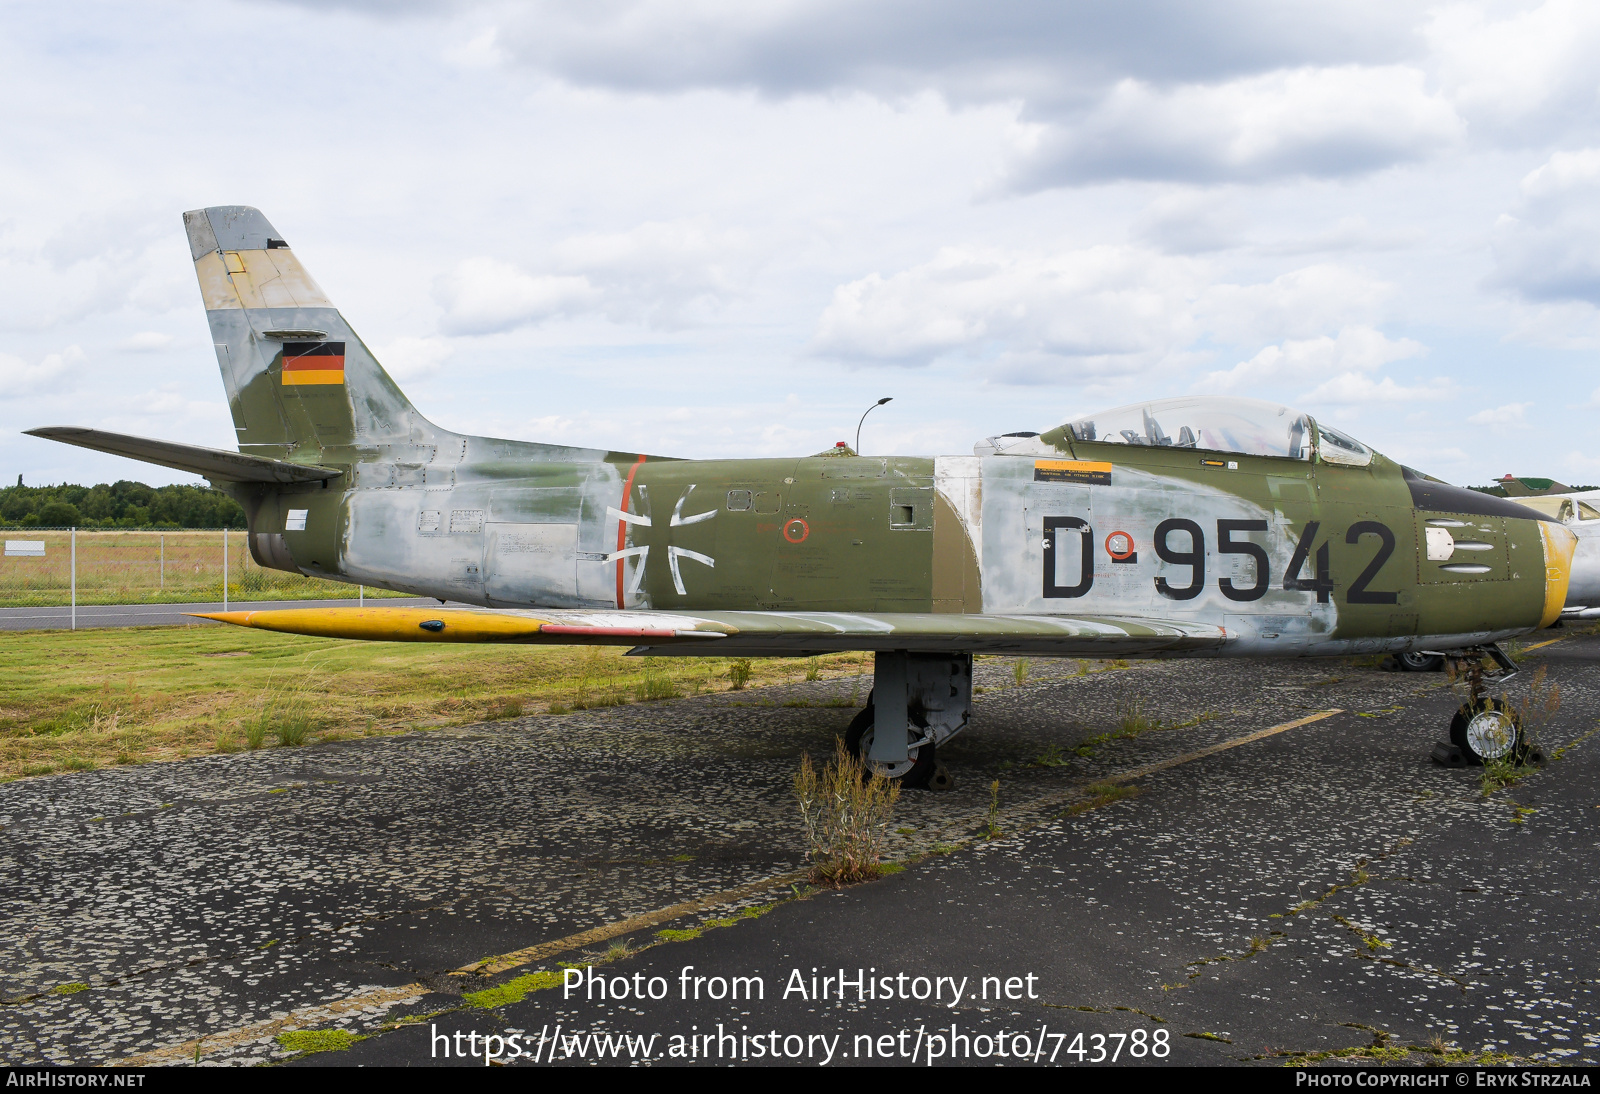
column 299, row 380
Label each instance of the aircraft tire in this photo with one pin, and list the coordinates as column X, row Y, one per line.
column 1420, row 662
column 858, row 739
column 1490, row 730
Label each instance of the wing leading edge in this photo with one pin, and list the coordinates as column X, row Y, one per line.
column 732, row 634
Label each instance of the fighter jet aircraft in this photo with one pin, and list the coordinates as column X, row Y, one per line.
column 1185, row 526
column 1579, row 510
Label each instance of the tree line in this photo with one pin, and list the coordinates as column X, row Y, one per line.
column 118, row 505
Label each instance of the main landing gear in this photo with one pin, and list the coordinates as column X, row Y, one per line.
column 1420, row 662
column 918, row 701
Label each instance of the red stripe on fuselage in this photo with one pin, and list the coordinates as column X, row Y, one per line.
column 622, row 526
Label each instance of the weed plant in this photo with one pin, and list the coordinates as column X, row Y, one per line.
column 1133, row 718
column 504, row 708
column 1052, row 756
column 992, row 825
column 655, row 685
column 255, row 733
column 846, row 813
column 283, row 713
column 1019, row 671
column 739, row 673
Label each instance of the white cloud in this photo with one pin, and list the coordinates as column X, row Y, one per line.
column 149, row 341
column 966, row 51
column 1346, row 356
column 1551, row 252
column 485, row 296
column 1301, row 303
column 54, row 374
column 1111, row 312
column 1357, row 389
column 1105, row 309
column 1509, row 416
column 605, row 156
column 1191, row 222
column 412, row 358
column 659, row 274
column 658, row 271
column 1326, row 122
column 1516, row 73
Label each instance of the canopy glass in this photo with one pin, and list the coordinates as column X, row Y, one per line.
column 1251, row 427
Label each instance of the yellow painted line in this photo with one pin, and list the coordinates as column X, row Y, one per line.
column 1151, row 769
column 491, row 965
column 381, row 999
column 1542, row 645
column 374, row 1001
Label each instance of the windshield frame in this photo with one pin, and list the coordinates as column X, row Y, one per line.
column 1212, row 418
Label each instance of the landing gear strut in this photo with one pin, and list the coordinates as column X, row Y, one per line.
column 918, row 701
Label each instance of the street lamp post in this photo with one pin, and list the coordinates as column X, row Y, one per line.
column 869, row 410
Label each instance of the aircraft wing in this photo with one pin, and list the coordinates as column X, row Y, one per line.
column 753, row 634
column 213, row 463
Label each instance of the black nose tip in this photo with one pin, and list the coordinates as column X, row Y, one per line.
column 434, row 625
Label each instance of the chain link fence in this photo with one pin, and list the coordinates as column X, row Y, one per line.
column 51, row 567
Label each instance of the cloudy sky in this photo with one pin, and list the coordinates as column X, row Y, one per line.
column 725, row 227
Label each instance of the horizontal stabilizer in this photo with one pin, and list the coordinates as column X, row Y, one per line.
column 213, row 463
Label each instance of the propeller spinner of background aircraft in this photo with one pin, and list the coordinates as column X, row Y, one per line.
column 1188, row 526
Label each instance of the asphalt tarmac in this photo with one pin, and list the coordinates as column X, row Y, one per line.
column 1284, row 881
column 91, row 616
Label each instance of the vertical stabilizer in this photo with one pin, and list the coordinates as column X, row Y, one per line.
column 300, row 382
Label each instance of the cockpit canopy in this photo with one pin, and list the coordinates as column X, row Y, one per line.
column 1250, row 427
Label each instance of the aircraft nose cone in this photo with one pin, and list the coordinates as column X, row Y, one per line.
column 1559, row 544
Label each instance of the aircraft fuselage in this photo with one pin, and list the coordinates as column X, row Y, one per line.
column 1287, row 555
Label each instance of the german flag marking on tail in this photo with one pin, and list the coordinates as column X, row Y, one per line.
column 313, row 363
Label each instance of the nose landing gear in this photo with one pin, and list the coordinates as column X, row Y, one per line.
column 1485, row 729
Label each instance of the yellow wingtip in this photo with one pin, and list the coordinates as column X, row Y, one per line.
column 387, row 624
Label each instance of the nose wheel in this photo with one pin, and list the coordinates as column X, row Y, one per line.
column 1487, row 729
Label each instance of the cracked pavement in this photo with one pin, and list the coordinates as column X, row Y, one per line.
column 1309, row 891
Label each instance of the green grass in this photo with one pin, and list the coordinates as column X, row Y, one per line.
column 318, row 1040
column 124, row 567
column 76, row 699
column 512, row 991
